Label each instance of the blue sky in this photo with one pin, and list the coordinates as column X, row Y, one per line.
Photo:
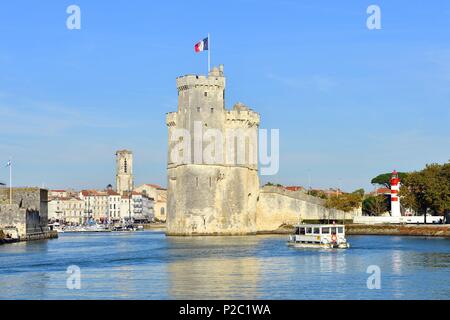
column 349, row 102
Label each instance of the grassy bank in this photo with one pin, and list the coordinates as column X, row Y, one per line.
column 400, row 230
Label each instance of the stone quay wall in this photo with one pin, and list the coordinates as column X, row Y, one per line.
column 278, row 206
column 28, row 213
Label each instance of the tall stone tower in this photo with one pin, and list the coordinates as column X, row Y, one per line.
column 216, row 194
column 124, row 171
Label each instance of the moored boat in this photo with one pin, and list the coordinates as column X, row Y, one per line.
column 319, row 236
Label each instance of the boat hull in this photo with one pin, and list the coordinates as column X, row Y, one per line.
column 319, row 245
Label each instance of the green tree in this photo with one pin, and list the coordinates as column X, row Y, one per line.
column 428, row 189
column 376, row 205
column 385, row 178
column 317, row 193
column 345, row 202
column 361, row 192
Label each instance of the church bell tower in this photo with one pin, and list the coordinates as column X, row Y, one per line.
column 124, row 171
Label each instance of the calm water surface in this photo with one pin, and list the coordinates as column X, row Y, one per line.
column 148, row 265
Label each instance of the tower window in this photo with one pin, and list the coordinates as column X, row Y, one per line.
column 125, row 168
column 196, row 181
column 206, row 94
column 198, row 109
column 212, row 110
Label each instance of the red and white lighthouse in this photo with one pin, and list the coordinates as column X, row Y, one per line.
column 395, row 200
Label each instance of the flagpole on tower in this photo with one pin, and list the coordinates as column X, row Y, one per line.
column 209, row 53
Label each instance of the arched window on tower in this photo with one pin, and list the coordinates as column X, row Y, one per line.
column 125, row 166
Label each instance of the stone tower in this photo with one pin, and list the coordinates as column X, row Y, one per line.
column 215, row 195
column 124, row 171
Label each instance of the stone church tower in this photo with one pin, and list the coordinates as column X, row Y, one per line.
column 218, row 195
column 124, row 171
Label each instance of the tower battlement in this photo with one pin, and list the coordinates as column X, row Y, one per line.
column 171, row 119
column 215, row 79
column 242, row 115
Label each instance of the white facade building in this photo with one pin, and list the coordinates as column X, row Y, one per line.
column 137, row 207
column 68, row 209
column 100, row 206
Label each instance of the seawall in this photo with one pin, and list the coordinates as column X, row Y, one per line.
column 277, row 207
column 399, row 230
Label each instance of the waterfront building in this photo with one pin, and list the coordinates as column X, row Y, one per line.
column 136, row 207
column 68, row 209
column 114, row 200
column 159, row 194
column 95, row 205
column 100, row 206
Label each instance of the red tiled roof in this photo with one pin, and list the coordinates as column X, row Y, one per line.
column 112, row 193
column 294, row 188
column 383, row 191
column 127, row 194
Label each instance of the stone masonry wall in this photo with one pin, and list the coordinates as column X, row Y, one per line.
column 28, row 212
column 277, row 206
column 12, row 215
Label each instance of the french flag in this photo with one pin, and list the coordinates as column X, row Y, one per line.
column 201, row 46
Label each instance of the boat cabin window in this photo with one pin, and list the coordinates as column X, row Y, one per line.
column 302, row 231
column 326, row 230
column 297, row 230
column 340, row 230
column 308, row 230
column 333, row 230
column 316, row 230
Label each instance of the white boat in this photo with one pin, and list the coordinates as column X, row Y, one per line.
column 88, row 228
column 56, row 226
column 319, row 236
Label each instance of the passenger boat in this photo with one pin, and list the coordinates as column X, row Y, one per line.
column 319, row 236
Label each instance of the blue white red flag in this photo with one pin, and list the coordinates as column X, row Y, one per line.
column 202, row 45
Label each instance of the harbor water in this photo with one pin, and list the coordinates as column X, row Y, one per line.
column 149, row 265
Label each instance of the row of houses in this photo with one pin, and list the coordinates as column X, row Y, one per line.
column 143, row 204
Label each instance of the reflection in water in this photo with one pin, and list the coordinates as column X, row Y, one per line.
column 396, row 261
column 210, row 269
column 228, row 278
column 149, row 265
